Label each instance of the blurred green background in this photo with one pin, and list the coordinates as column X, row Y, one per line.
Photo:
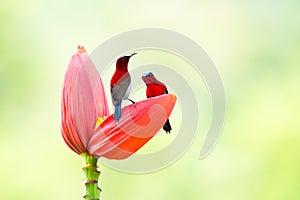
column 255, row 46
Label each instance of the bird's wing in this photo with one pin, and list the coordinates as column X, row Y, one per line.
column 156, row 82
column 119, row 90
column 162, row 85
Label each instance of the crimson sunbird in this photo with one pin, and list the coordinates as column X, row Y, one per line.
column 120, row 85
column 156, row 88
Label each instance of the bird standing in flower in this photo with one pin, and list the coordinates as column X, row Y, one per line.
column 156, row 88
column 120, row 85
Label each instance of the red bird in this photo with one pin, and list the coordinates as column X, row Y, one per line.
column 120, row 85
column 156, row 88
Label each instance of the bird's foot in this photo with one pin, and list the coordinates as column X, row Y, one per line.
column 133, row 102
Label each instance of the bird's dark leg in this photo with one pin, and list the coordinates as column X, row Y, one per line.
column 133, row 102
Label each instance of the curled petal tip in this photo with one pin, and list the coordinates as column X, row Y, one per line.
column 173, row 97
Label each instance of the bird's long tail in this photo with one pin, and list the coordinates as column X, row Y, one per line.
column 167, row 127
column 117, row 114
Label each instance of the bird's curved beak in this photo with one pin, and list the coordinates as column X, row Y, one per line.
column 132, row 54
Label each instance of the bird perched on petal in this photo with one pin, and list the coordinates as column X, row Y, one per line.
column 156, row 88
column 120, row 85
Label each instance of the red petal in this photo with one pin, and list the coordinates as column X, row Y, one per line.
column 138, row 124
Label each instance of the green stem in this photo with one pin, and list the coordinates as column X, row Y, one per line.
column 91, row 176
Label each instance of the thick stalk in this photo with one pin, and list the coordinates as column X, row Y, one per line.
column 91, row 177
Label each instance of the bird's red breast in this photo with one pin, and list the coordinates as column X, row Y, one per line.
column 118, row 77
column 155, row 90
column 121, row 72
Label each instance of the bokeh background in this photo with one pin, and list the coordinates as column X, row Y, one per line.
column 255, row 46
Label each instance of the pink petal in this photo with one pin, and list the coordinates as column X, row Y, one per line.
column 68, row 127
column 100, row 99
column 84, row 107
column 83, row 99
column 119, row 140
column 96, row 85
